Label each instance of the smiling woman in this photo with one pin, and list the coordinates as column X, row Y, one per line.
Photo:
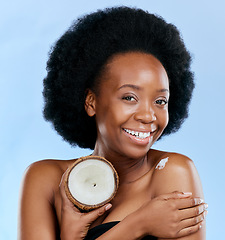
column 117, row 81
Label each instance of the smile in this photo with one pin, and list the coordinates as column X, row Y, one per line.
column 140, row 135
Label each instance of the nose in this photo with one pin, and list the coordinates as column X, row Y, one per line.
column 145, row 114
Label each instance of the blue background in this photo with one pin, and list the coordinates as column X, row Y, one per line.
column 29, row 28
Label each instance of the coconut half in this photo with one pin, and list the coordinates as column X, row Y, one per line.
column 91, row 182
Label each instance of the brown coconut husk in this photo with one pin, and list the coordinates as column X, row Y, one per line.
column 84, row 207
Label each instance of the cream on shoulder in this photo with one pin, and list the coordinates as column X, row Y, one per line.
column 162, row 163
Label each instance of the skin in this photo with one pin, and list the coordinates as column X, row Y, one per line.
column 133, row 95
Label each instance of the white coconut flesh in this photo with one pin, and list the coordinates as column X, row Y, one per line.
column 91, row 182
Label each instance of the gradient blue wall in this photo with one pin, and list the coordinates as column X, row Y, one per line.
column 29, row 28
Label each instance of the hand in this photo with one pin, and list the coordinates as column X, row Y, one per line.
column 173, row 215
column 74, row 224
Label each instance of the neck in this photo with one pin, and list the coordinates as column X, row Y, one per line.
column 128, row 169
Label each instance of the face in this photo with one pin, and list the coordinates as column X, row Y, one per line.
column 131, row 107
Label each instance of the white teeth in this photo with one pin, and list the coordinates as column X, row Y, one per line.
column 141, row 135
column 146, row 135
column 137, row 134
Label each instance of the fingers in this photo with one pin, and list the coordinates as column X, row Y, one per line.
column 194, row 220
column 189, row 230
column 182, row 199
column 193, row 211
column 188, row 202
column 190, row 212
column 189, row 226
column 176, row 195
column 94, row 214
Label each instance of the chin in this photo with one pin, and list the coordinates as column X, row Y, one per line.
column 136, row 153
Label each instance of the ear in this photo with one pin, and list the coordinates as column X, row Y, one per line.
column 90, row 103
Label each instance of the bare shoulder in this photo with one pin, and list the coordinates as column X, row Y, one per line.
column 45, row 174
column 48, row 167
column 40, row 186
column 175, row 172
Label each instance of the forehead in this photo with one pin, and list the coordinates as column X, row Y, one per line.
column 136, row 68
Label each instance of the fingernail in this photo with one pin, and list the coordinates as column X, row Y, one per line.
column 200, row 201
column 108, row 206
column 187, row 193
column 206, row 205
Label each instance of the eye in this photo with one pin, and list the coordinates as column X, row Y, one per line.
column 161, row 102
column 129, row 98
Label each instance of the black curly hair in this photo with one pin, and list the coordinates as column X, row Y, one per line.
column 78, row 57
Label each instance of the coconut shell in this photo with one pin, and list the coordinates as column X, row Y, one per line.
column 82, row 206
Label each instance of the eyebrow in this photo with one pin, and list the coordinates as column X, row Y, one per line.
column 130, row 86
column 139, row 88
column 163, row 90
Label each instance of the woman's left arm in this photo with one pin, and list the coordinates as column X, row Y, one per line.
column 178, row 173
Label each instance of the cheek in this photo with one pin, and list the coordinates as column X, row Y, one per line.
column 164, row 118
column 167, row 120
column 101, row 123
column 110, row 121
column 106, row 121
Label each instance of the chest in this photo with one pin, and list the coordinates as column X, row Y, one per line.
column 128, row 199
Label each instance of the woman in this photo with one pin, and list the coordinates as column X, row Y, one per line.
column 118, row 80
